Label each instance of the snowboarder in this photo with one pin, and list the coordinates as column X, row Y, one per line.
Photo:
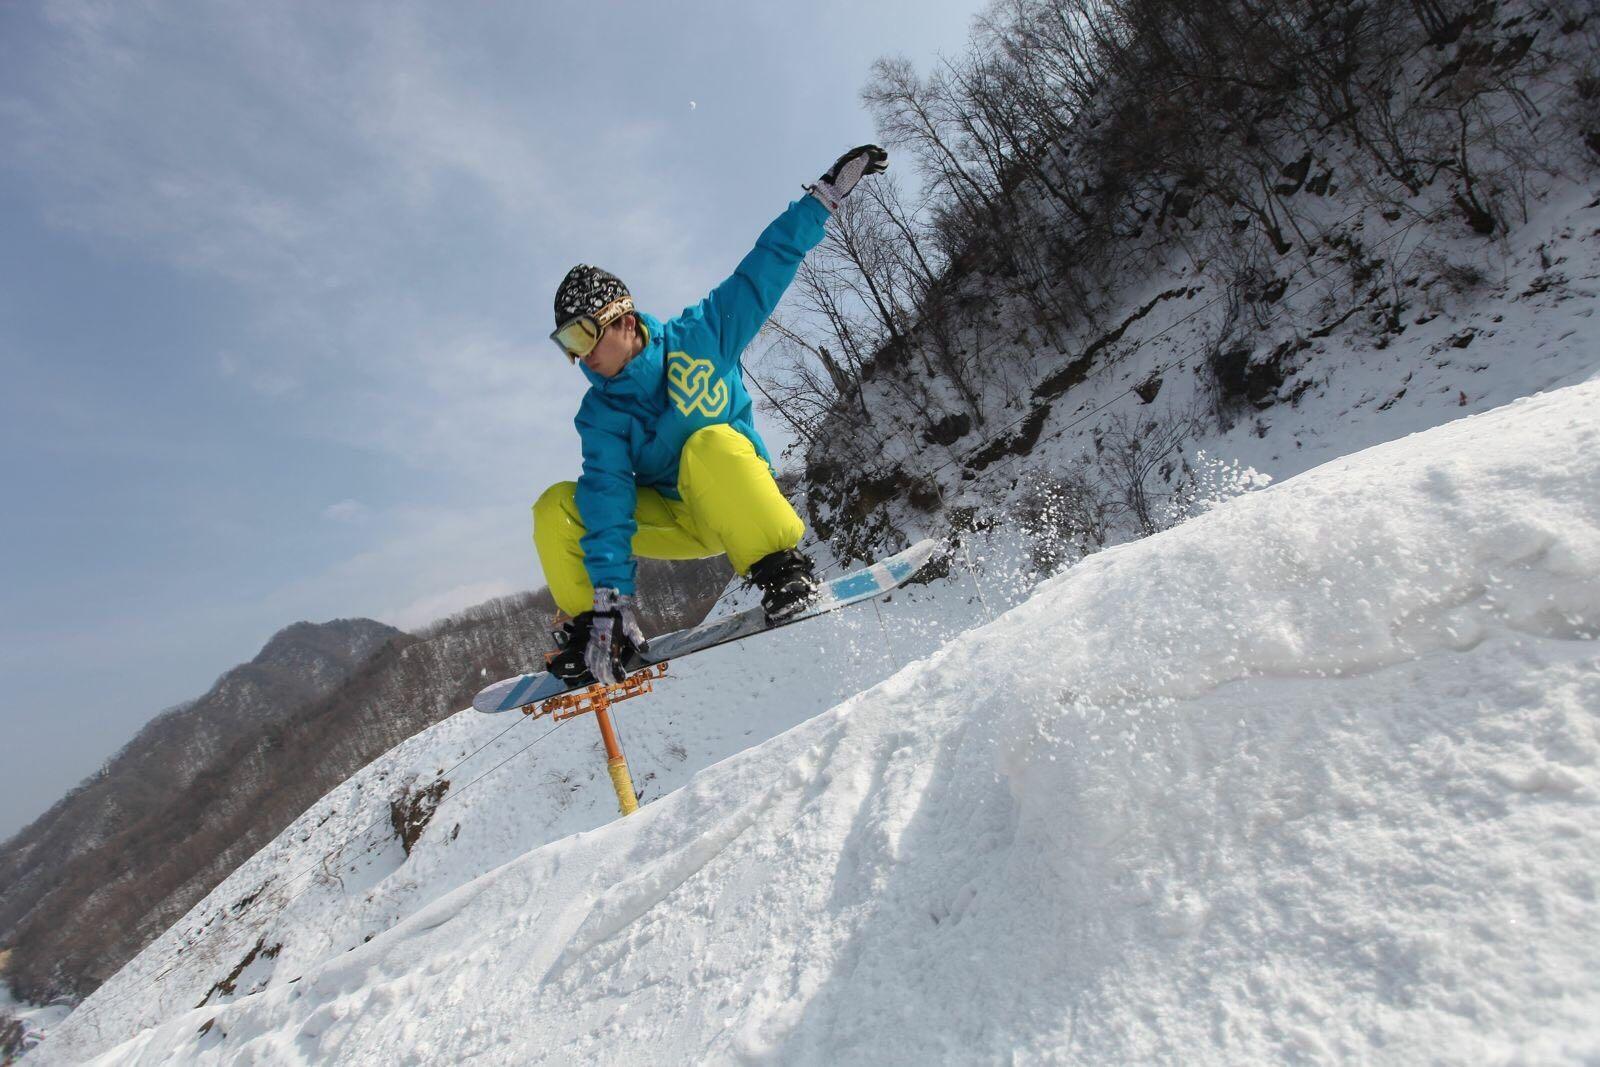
column 672, row 465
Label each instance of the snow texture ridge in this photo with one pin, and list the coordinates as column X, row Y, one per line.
column 1313, row 777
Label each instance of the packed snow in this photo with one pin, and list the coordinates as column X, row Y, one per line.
column 1311, row 777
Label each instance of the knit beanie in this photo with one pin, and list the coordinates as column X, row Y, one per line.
column 585, row 290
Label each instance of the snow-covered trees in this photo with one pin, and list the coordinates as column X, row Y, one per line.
column 1080, row 148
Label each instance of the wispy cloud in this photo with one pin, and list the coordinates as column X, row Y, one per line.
column 436, row 606
column 267, row 382
column 431, row 560
column 347, row 176
column 345, row 511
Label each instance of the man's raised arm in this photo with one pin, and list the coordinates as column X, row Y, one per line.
column 737, row 308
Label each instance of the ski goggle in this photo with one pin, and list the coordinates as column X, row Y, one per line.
column 577, row 336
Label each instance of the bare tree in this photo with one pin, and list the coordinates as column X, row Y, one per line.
column 1138, row 455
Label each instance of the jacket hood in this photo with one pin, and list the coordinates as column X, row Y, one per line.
column 642, row 376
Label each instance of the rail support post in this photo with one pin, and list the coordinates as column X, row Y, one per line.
column 598, row 698
column 616, row 762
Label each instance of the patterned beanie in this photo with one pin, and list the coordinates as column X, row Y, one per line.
column 585, row 290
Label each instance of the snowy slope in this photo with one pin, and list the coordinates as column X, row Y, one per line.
column 1312, row 777
column 33, row 1022
column 338, row 875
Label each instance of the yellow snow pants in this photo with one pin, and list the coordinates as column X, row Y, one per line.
column 730, row 504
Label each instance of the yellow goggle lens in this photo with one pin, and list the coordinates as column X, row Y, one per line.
column 578, row 337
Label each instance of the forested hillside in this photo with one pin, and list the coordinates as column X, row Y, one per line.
column 1143, row 223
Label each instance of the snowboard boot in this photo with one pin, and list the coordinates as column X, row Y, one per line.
column 787, row 583
column 571, row 638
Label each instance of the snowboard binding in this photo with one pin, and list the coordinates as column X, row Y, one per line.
column 787, row 581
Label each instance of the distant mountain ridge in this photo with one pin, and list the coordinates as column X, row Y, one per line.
column 205, row 785
column 42, row 865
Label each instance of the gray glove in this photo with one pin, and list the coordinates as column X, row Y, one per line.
column 848, row 169
column 612, row 636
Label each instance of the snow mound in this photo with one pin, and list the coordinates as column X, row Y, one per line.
column 1313, row 777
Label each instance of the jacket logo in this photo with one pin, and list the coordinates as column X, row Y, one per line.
column 690, row 385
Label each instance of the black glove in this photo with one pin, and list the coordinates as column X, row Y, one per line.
column 848, row 169
column 613, row 634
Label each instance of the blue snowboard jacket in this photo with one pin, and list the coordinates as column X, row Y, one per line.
column 687, row 377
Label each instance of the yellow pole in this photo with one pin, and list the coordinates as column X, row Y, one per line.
column 616, row 763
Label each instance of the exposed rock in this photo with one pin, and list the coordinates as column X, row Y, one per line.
column 412, row 810
column 948, row 430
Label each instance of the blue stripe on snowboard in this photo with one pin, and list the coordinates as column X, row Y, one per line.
column 514, row 698
column 858, row 584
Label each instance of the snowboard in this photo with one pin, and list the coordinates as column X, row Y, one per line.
column 873, row 580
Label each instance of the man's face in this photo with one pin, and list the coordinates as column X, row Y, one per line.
column 616, row 347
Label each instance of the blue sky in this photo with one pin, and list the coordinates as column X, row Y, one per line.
column 275, row 285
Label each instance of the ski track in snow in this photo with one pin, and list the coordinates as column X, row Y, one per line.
column 1310, row 778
